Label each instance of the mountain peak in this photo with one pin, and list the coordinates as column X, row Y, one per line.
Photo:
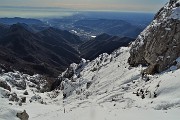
column 19, row 28
column 173, row 1
column 159, row 44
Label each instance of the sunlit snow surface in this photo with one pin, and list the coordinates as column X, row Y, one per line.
column 115, row 91
column 111, row 95
column 176, row 11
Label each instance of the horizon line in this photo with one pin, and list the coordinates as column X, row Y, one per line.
column 73, row 9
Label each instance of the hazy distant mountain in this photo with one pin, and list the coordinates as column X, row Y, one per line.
column 33, row 25
column 56, row 34
column 15, row 20
column 101, row 44
column 50, row 51
column 113, row 27
column 87, row 24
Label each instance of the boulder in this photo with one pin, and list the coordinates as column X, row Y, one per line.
column 20, row 84
column 13, row 97
column 69, row 73
column 23, row 99
column 56, row 84
column 26, row 92
column 23, row 115
column 88, row 84
column 4, row 85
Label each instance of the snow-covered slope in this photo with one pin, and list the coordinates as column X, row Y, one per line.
column 104, row 89
column 113, row 81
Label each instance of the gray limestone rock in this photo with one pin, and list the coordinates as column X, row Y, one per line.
column 4, row 85
column 23, row 115
column 158, row 46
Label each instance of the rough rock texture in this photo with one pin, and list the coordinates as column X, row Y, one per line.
column 23, row 99
column 4, row 85
column 159, row 44
column 13, row 97
column 69, row 72
column 23, row 115
column 26, row 92
column 56, row 83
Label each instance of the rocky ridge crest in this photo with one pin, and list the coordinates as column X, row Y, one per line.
column 158, row 46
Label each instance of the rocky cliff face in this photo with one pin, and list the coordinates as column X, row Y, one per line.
column 159, row 44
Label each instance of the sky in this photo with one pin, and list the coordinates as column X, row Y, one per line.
column 52, row 7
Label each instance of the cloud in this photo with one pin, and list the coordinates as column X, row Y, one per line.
column 118, row 5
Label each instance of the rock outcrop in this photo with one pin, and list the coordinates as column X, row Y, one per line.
column 4, row 85
column 13, row 97
column 23, row 115
column 158, row 46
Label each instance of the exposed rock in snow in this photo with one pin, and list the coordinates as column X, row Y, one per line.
column 13, row 97
column 107, row 88
column 23, row 99
column 113, row 88
column 175, row 10
column 4, row 85
column 23, row 115
column 161, row 39
column 26, row 93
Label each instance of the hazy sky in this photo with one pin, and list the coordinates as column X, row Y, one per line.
column 10, row 7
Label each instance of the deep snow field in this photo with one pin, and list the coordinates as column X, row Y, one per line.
column 107, row 89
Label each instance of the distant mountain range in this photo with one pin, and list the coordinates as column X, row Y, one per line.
column 89, row 24
column 15, row 20
column 112, row 27
column 102, row 43
column 46, row 52
column 49, row 51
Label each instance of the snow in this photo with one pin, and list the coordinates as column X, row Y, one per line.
column 178, row 60
column 111, row 95
column 168, row 29
column 74, row 31
column 96, row 112
column 172, row 68
column 106, row 88
column 176, row 13
column 93, row 36
column 168, row 12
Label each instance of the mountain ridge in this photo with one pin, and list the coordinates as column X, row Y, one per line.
column 106, row 88
column 158, row 45
column 26, row 46
column 103, row 43
column 50, row 49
